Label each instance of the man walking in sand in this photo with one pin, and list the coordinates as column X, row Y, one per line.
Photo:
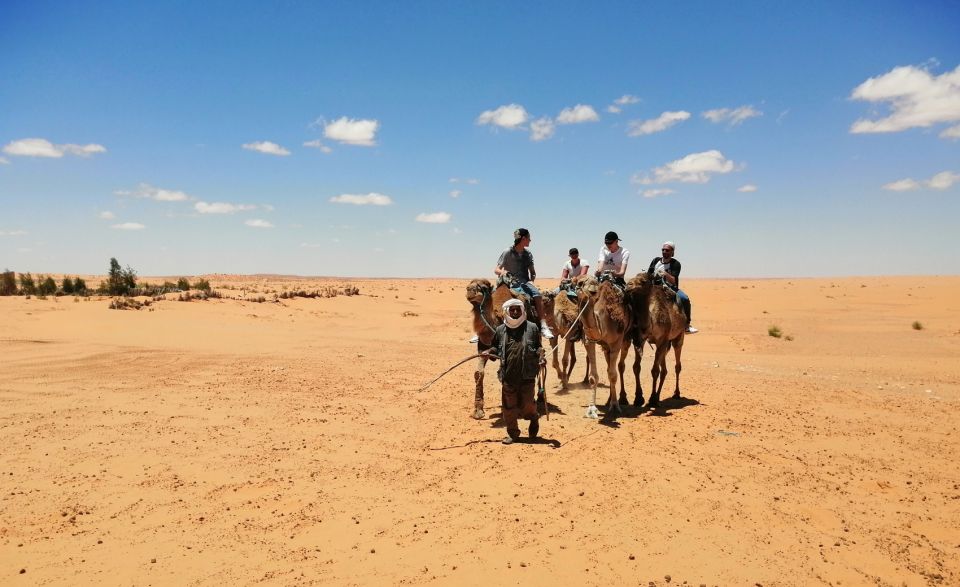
column 517, row 343
column 517, row 262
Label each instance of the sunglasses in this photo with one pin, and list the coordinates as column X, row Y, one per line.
column 666, row 250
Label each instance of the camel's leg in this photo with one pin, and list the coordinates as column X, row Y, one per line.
column 569, row 360
column 677, row 347
column 586, row 372
column 612, row 405
column 478, row 412
column 621, row 364
column 592, row 411
column 637, row 357
column 658, row 371
column 556, row 365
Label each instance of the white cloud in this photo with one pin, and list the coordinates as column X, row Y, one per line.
column 732, row 116
column 129, row 226
column 258, row 223
column 654, row 125
column 510, row 116
column 747, row 188
column 902, row 185
column 371, row 199
column 12, row 232
column 267, row 148
column 916, row 99
column 542, row 129
column 577, row 114
column 614, row 109
column 943, row 180
column 455, row 193
column 626, row 99
column 316, row 144
column 44, row 148
column 694, row 168
column 145, row 190
column 468, row 180
column 951, row 133
column 107, row 215
column 352, row 131
column 222, row 207
column 434, row 217
column 657, row 192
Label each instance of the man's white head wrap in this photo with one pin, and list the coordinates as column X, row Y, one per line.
column 670, row 244
column 514, row 322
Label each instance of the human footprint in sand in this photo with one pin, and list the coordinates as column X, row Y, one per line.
column 517, row 343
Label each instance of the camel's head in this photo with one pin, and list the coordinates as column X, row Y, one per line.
column 604, row 296
column 640, row 283
column 477, row 290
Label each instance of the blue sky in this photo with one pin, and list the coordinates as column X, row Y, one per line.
column 410, row 139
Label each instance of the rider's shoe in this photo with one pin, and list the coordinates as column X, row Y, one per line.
column 692, row 330
column 474, row 339
column 546, row 330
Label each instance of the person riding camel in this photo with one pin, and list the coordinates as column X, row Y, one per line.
column 666, row 271
column 517, row 262
column 613, row 259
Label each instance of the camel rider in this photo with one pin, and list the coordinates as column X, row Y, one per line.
column 517, row 343
column 666, row 270
column 574, row 267
column 517, row 261
column 613, row 259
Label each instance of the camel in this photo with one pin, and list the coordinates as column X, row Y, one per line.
column 607, row 321
column 661, row 322
column 565, row 312
column 487, row 314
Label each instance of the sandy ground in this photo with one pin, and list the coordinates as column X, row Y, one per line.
column 228, row 442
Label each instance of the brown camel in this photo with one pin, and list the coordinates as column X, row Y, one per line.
column 661, row 322
column 487, row 314
column 565, row 313
column 608, row 321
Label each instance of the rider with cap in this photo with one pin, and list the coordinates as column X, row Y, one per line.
column 613, row 258
column 517, row 261
column 666, row 270
column 575, row 267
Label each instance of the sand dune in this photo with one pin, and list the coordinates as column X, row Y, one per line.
column 227, row 442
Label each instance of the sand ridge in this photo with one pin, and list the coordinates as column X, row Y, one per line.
column 236, row 442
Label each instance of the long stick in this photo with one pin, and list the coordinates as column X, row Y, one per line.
column 437, row 378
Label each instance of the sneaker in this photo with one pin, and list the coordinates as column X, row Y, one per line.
column 474, row 339
column 534, row 427
column 546, row 330
column 692, row 330
column 508, row 440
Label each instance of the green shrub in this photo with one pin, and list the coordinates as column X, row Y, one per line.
column 67, row 285
column 47, row 287
column 202, row 285
column 8, row 283
column 79, row 286
column 774, row 331
column 183, row 284
column 27, row 287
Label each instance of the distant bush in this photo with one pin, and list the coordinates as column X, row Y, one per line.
column 125, row 304
column 170, row 286
column 202, row 285
column 67, row 285
column 917, row 326
column 79, row 286
column 8, row 283
column 27, row 287
column 774, row 331
column 47, row 287
column 119, row 281
column 183, row 284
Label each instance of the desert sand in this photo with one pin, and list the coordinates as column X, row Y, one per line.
column 229, row 442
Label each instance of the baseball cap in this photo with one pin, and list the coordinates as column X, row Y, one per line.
column 610, row 237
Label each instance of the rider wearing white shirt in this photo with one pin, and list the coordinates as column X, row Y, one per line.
column 613, row 258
